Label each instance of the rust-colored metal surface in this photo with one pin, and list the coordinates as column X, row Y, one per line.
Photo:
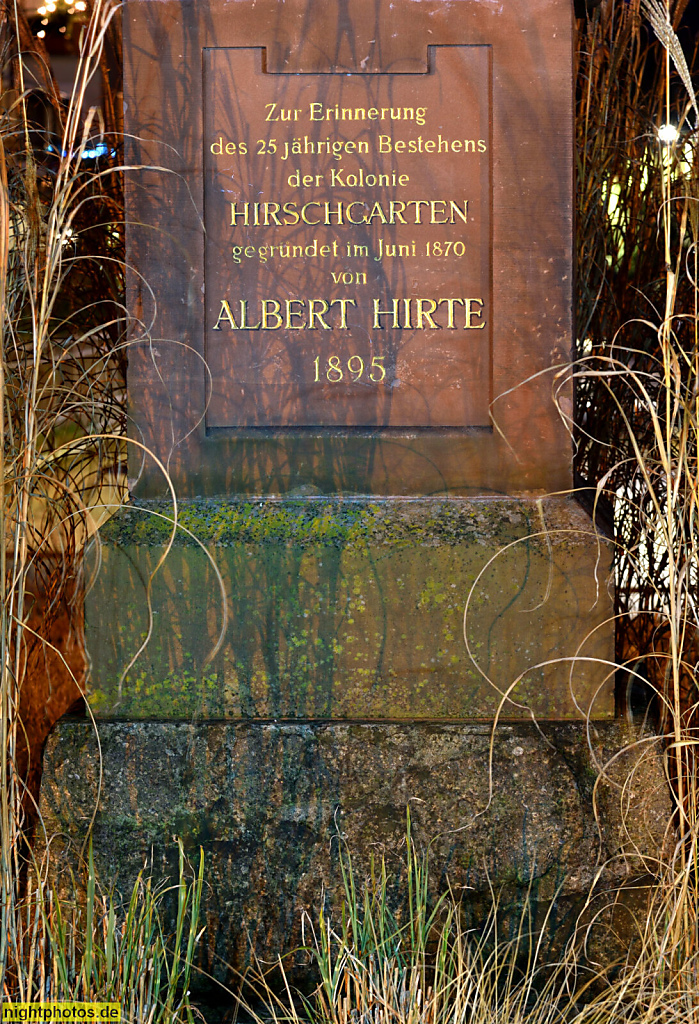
column 352, row 253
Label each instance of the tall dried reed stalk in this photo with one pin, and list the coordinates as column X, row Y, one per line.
column 61, row 472
column 637, row 384
column 636, row 214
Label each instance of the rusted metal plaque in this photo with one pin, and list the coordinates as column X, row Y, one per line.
column 348, row 245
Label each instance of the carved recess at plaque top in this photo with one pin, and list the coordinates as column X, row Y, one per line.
column 348, row 244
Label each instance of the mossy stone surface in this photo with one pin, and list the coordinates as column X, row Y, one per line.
column 269, row 802
column 351, row 609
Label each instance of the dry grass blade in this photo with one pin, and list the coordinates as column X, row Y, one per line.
column 659, row 17
column 638, row 370
column 376, row 964
column 62, row 454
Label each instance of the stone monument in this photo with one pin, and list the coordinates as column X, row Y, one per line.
column 350, row 242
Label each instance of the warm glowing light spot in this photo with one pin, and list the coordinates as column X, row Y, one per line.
column 667, row 133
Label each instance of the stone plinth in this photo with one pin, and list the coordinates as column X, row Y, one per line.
column 352, row 610
column 267, row 801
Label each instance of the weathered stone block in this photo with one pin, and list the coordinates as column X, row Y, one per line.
column 352, row 609
column 267, row 802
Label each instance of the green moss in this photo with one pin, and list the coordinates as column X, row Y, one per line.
column 337, row 523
